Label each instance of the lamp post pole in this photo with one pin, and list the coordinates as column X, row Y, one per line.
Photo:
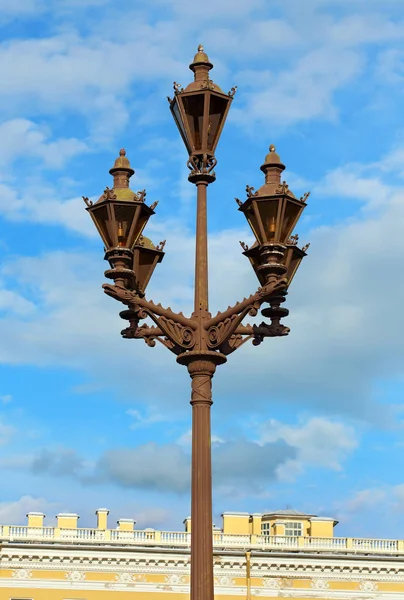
column 200, row 342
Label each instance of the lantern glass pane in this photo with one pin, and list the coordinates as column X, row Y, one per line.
column 179, row 122
column 124, row 216
column 101, row 216
column 253, row 223
column 147, row 262
column 217, row 110
column 269, row 210
column 290, row 218
column 194, row 110
column 294, row 257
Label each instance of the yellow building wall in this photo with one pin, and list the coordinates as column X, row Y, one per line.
column 35, row 519
column 255, row 524
column 102, row 518
column 321, row 529
column 236, row 524
column 66, row 521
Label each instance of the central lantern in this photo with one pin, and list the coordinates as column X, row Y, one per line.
column 201, row 109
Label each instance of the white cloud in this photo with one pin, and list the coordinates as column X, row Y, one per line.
column 6, row 398
column 19, row 9
column 6, row 432
column 319, row 442
column 24, row 138
column 12, row 302
column 140, row 420
column 300, row 92
column 37, row 204
column 15, row 512
column 364, row 500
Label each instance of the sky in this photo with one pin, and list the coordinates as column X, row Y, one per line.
column 313, row 421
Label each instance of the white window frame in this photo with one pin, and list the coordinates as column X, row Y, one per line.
column 294, row 526
column 266, row 528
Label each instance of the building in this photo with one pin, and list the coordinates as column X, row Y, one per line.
column 280, row 554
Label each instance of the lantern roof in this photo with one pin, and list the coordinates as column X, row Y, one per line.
column 201, row 66
column 121, row 172
column 146, row 243
column 273, row 158
column 201, row 58
column 122, row 164
column 273, row 168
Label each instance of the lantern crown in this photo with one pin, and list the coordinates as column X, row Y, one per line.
column 120, row 214
column 201, row 58
column 272, row 168
column 200, row 111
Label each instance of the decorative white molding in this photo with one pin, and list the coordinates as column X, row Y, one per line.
column 75, row 576
column 272, row 583
column 320, row 584
column 368, row 586
column 175, row 579
column 21, row 574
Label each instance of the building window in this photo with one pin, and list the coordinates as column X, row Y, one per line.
column 265, row 528
column 293, row 529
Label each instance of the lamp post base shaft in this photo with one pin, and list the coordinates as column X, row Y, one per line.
column 202, row 588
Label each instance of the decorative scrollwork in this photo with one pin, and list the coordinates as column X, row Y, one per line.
column 202, row 164
column 140, row 196
column 264, row 330
column 233, row 91
column 153, row 206
column 169, row 99
column 306, row 247
column 250, row 191
column 305, row 197
column 220, row 333
column 177, row 88
column 283, row 188
column 233, row 343
column 184, row 337
column 87, row 201
column 271, row 288
column 109, row 194
column 244, row 246
column 292, row 241
column 207, row 85
column 254, row 308
column 239, row 201
column 161, row 245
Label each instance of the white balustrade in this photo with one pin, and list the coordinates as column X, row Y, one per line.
column 176, row 538
column 317, row 543
column 378, row 546
column 182, row 539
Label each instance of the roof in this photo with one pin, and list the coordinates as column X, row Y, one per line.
column 290, row 512
column 287, row 512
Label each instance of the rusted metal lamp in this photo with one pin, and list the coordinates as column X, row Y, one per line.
column 120, row 216
column 292, row 259
column 200, row 112
column 200, row 341
column 272, row 213
column 146, row 256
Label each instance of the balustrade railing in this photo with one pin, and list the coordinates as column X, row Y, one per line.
column 181, row 539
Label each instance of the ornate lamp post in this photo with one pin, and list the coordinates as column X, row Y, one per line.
column 200, row 342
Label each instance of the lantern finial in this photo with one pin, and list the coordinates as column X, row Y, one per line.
column 273, row 157
column 201, row 59
column 121, row 171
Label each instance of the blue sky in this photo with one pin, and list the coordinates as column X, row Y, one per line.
column 313, row 421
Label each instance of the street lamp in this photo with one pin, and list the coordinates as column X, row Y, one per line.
column 201, row 342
